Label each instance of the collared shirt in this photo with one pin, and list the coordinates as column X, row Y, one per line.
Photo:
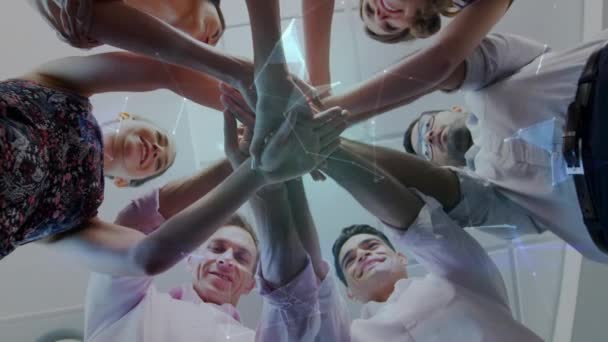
column 132, row 309
column 462, row 299
column 519, row 88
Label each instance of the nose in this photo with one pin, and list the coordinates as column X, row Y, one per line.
column 380, row 14
column 363, row 254
column 430, row 135
column 226, row 261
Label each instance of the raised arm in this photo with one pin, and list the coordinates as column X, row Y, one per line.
column 117, row 250
column 376, row 190
column 115, row 23
column 305, row 224
column 418, row 224
column 121, row 71
column 411, row 171
column 317, row 20
column 424, row 71
column 277, row 94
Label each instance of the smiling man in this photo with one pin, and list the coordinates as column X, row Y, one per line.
column 464, row 296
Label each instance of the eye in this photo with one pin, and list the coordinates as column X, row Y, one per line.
column 348, row 262
column 216, row 248
column 242, row 258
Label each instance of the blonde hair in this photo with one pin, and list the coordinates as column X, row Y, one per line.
column 426, row 23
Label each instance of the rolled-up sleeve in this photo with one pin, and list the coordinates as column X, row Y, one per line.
column 290, row 312
column 142, row 214
column 335, row 317
column 71, row 20
column 499, row 56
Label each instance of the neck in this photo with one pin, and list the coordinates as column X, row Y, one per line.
column 210, row 299
column 385, row 292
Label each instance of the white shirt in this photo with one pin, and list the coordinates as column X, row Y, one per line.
column 132, row 309
column 517, row 83
column 463, row 299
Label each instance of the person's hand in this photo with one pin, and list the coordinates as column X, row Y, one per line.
column 277, row 97
column 315, row 95
column 301, row 144
column 236, row 141
column 237, row 106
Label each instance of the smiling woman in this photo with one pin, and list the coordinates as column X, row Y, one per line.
column 393, row 21
column 137, row 150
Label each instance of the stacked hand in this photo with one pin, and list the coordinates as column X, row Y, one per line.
column 299, row 145
column 274, row 103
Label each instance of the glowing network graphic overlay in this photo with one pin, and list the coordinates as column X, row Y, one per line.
column 541, row 135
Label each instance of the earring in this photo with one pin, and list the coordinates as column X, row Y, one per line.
column 124, row 116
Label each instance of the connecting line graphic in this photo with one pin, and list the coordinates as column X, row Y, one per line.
column 181, row 91
column 542, row 57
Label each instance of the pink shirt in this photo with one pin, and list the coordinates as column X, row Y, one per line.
column 132, row 309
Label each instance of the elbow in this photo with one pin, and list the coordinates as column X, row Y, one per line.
column 444, row 63
column 145, row 263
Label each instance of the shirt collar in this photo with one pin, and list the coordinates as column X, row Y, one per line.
column 189, row 295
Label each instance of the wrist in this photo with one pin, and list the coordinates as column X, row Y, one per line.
column 243, row 76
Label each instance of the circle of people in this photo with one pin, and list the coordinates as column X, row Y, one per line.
column 456, row 171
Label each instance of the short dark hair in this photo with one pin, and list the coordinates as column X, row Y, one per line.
column 347, row 233
column 407, row 137
column 216, row 3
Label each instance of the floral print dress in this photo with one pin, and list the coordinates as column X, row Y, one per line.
column 51, row 163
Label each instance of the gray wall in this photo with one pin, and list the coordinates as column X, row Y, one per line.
column 592, row 304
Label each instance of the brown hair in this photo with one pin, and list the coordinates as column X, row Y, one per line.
column 216, row 3
column 426, row 23
column 239, row 221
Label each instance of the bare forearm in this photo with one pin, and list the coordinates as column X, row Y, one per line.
column 305, row 224
column 376, row 190
column 269, row 58
column 411, row 171
column 122, row 71
column 317, row 20
column 177, row 195
column 398, row 85
column 282, row 256
column 117, row 24
column 186, row 230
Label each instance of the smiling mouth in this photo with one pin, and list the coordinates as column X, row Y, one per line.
column 145, row 151
column 369, row 264
column 222, row 276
